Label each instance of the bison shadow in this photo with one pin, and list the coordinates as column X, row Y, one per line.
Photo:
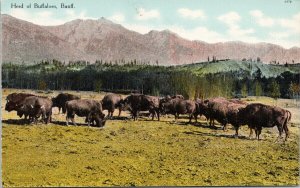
column 198, row 124
column 63, row 123
column 215, row 135
column 25, row 123
column 15, row 122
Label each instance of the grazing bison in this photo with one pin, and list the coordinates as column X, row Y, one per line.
column 61, row 99
column 257, row 116
column 178, row 106
column 14, row 100
column 90, row 109
column 110, row 102
column 34, row 107
column 140, row 102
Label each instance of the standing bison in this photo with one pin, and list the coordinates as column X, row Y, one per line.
column 90, row 109
column 110, row 102
column 14, row 100
column 220, row 109
column 34, row 107
column 61, row 99
column 257, row 116
column 178, row 106
column 140, row 102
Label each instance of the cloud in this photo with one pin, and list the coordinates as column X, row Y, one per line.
column 292, row 24
column 47, row 17
column 261, row 19
column 143, row 14
column 230, row 18
column 197, row 33
column 279, row 35
column 117, row 17
column 191, row 14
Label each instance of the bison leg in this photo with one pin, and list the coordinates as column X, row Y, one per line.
column 119, row 112
column 88, row 117
column 211, row 122
column 68, row 117
column 258, row 131
column 286, row 130
column 73, row 121
column 251, row 133
column 195, row 116
column 191, row 116
column 67, row 120
column 64, row 109
column 112, row 113
column 280, row 129
column 157, row 113
column 59, row 110
column 49, row 117
column 225, row 127
column 236, row 131
column 136, row 115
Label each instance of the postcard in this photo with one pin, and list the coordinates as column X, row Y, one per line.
column 128, row 93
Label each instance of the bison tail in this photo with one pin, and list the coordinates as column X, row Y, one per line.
column 289, row 115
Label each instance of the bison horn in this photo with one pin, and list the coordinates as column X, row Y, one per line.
column 31, row 106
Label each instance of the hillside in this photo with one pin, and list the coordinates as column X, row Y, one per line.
column 27, row 42
column 102, row 39
column 267, row 70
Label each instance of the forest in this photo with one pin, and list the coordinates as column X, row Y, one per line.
column 227, row 78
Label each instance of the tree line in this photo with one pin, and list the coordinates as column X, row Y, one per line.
column 148, row 79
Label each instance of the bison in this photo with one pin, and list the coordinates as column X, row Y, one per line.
column 14, row 100
column 61, row 99
column 34, row 107
column 257, row 116
column 140, row 102
column 178, row 106
column 220, row 109
column 112, row 101
column 90, row 109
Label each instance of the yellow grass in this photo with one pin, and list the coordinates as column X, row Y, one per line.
column 144, row 153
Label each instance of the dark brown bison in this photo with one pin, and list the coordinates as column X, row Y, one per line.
column 34, row 107
column 257, row 116
column 220, row 109
column 139, row 102
column 61, row 99
column 110, row 102
column 202, row 109
column 90, row 109
column 216, row 110
column 13, row 100
column 178, row 106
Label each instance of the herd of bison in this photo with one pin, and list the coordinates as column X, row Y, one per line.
column 225, row 111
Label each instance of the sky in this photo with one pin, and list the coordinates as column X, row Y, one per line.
column 252, row 21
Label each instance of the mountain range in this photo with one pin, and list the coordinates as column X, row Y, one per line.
column 102, row 39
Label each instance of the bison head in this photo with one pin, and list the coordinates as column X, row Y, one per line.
column 99, row 119
column 54, row 102
column 10, row 106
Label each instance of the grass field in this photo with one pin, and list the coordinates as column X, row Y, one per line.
column 144, row 152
